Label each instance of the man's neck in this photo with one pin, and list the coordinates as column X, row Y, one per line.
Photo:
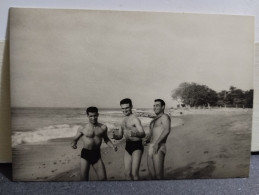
column 129, row 115
column 94, row 125
column 160, row 114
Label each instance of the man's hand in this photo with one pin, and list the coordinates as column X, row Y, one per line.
column 74, row 145
column 147, row 139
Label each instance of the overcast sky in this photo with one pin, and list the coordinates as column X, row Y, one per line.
column 78, row 58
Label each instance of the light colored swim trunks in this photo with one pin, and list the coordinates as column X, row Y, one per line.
column 151, row 149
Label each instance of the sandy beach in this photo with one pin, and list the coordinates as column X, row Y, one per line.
column 200, row 145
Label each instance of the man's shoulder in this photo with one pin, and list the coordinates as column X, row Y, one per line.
column 85, row 127
column 81, row 128
column 165, row 117
column 130, row 118
column 102, row 126
column 134, row 117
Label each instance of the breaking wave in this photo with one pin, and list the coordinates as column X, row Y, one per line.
column 44, row 134
column 60, row 131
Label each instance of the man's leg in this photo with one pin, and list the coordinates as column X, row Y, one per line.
column 85, row 167
column 150, row 166
column 136, row 159
column 100, row 170
column 127, row 165
column 158, row 160
column 150, row 163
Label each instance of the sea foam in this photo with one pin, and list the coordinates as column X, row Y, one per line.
column 61, row 131
column 44, row 134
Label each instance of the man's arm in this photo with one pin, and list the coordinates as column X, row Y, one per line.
column 107, row 140
column 148, row 136
column 140, row 131
column 166, row 122
column 77, row 137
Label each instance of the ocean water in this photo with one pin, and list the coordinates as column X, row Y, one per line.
column 35, row 125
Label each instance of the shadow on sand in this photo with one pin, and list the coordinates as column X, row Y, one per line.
column 192, row 171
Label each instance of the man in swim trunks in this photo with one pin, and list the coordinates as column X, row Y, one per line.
column 160, row 128
column 91, row 135
column 133, row 131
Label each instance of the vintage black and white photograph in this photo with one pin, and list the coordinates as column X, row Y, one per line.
column 130, row 95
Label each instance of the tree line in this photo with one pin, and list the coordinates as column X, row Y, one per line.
column 196, row 95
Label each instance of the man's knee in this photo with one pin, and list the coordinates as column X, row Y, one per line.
column 100, row 170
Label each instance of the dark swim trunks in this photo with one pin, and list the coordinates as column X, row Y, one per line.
column 131, row 146
column 92, row 156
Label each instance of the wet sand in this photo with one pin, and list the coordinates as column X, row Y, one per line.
column 215, row 145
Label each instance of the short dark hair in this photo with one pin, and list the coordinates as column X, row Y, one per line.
column 91, row 109
column 161, row 101
column 126, row 101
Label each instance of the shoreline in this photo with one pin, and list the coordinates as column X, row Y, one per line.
column 203, row 146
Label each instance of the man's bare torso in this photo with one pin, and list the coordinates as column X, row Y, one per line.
column 157, row 128
column 128, row 125
column 92, row 136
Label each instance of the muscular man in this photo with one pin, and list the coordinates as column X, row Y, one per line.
column 91, row 135
column 133, row 131
column 160, row 128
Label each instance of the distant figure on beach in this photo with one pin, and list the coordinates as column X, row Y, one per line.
column 133, row 131
column 160, row 128
column 91, row 135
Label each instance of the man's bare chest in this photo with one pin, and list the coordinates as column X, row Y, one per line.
column 128, row 124
column 92, row 132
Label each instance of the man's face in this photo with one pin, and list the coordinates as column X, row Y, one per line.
column 126, row 109
column 93, row 117
column 158, row 108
